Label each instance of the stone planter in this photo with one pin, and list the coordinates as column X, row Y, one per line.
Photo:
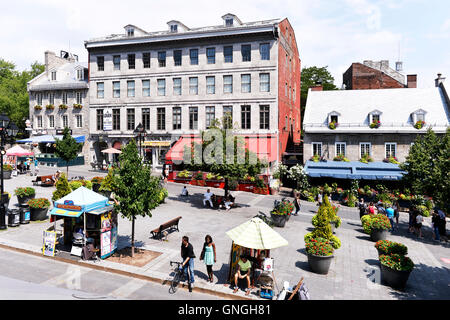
column 7, row 174
column 25, row 199
column 38, row 214
column 247, row 187
column 278, row 220
column 377, row 235
column 319, row 264
column 395, row 279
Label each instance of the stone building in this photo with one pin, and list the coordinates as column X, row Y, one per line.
column 396, row 110
column 177, row 81
column 58, row 98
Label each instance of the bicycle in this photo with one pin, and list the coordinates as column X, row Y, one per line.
column 178, row 277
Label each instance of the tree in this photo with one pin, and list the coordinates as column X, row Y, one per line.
column 137, row 192
column 67, row 148
column 62, row 188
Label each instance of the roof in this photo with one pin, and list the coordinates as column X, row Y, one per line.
column 396, row 106
column 66, row 78
column 85, row 198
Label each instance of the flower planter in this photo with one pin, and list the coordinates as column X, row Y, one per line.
column 395, row 279
column 38, row 214
column 215, row 184
column 320, row 264
column 248, row 187
column 23, row 200
column 377, row 235
column 274, row 192
column 264, row 191
column 7, row 174
column 278, row 220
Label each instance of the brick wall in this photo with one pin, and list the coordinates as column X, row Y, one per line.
column 361, row 77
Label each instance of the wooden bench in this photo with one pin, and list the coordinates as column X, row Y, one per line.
column 41, row 180
column 172, row 224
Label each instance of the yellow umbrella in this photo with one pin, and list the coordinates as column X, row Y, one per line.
column 256, row 234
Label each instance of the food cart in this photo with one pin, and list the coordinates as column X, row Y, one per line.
column 255, row 239
column 86, row 209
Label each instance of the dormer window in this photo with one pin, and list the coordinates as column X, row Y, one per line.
column 130, row 32
column 229, row 22
column 174, row 28
column 80, row 74
column 53, row 75
column 418, row 118
column 334, row 119
column 375, row 118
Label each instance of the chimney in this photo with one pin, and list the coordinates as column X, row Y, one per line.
column 439, row 80
column 411, row 80
column 49, row 59
column 318, row 86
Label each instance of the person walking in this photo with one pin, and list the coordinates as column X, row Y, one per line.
column 188, row 256
column 435, row 220
column 362, row 208
column 297, row 204
column 442, row 227
column 390, row 215
column 412, row 217
column 319, row 199
column 419, row 221
column 208, row 256
column 396, row 208
column 371, row 208
column 36, row 168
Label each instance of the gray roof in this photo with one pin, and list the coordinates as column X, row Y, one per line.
column 65, row 79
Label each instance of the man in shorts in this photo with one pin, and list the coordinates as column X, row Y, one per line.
column 243, row 272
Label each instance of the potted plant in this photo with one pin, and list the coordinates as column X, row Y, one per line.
column 375, row 124
column 215, row 181
column 341, row 157
column 419, row 124
column 38, row 208
column 247, row 183
column 198, row 179
column 24, row 194
column 320, row 254
column 281, row 213
column 366, row 159
column 260, row 187
column 77, row 106
column 7, row 170
column 49, row 107
column 377, row 225
column 37, row 107
column 63, row 107
column 315, row 158
column 333, row 125
column 183, row 177
column 96, row 183
column 387, row 247
column 391, row 159
column 395, row 269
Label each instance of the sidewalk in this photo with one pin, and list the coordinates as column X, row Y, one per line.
column 354, row 273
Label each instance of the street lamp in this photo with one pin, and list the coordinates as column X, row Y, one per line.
column 7, row 129
column 140, row 133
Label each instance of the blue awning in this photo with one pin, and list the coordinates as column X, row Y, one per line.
column 49, row 139
column 354, row 170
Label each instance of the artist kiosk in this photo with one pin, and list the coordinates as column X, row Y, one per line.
column 91, row 211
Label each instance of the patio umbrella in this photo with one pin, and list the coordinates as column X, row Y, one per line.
column 111, row 151
column 256, row 234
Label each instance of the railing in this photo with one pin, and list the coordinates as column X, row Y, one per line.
column 383, row 124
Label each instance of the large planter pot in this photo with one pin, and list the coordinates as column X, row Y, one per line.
column 183, row 180
column 274, row 191
column 38, row 214
column 25, row 199
column 264, row 191
column 319, row 264
column 7, row 174
column 278, row 220
column 395, row 279
column 377, row 235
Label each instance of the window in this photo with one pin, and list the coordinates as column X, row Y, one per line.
column 116, row 89
column 79, row 119
column 131, row 124
column 177, row 86
column 227, row 117
column 146, row 88
column 420, row 117
column 365, row 149
column 146, row 59
column 116, row 62
column 245, row 117
column 99, row 119
column 264, row 117
column 51, row 121
column 116, row 119
column 340, row 149
column 228, row 54
column 100, row 90
column 53, row 75
column 245, row 83
column 146, row 118
column 130, row 88
column 161, row 119
column 161, row 87
column 65, row 120
column 229, row 22
column 64, row 97
column 177, row 57
column 246, row 51
column 227, row 84
column 264, row 51
column 176, row 118
column 334, row 119
column 100, row 63
column 51, row 98
column 375, row 118
column 39, row 98
column 193, row 85
column 130, row 32
column 211, row 85
column 79, row 97
column 162, row 59
column 264, row 82
column 131, row 61
column 193, row 54
column 390, row 149
column 193, row 118
column 211, row 55
column 317, row 148
column 39, row 121
column 174, row 28
column 210, row 116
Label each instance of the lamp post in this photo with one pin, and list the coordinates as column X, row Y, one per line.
column 7, row 129
column 140, row 133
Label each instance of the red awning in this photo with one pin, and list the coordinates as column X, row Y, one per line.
column 176, row 152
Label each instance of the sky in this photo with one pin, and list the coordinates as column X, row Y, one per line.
column 331, row 33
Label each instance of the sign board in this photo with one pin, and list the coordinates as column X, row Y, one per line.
column 68, row 207
column 107, row 120
column 76, row 251
column 156, row 144
column 49, row 243
column 60, row 132
column 105, row 244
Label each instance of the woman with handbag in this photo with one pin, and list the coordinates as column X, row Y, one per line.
column 208, row 256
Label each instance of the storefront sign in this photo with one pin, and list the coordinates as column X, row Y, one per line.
column 105, row 244
column 68, row 207
column 49, row 243
column 107, row 120
column 156, row 144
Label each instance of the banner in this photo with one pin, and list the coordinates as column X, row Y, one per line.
column 107, row 120
column 49, row 243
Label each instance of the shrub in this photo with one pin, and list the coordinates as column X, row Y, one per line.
column 7, row 167
column 163, row 194
column 106, row 184
column 62, row 188
column 198, row 176
column 233, row 184
column 39, row 203
column 321, row 222
column 97, row 180
column 397, row 262
column 283, row 208
column 25, row 192
column 390, row 247
column 376, row 222
column 74, row 185
column 184, row 174
column 319, row 247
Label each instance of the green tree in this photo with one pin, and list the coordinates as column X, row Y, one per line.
column 67, row 149
column 62, row 188
column 136, row 192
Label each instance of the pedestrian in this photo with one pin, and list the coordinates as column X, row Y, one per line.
column 362, row 208
column 36, row 168
column 207, row 197
column 297, row 204
column 390, row 215
column 208, row 256
column 412, row 217
column 419, row 221
column 319, row 199
column 435, row 221
column 188, row 256
column 442, row 227
column 380, row 208
column 396, row 208
column 371, row 208
column 184, row 192
column 243, row 272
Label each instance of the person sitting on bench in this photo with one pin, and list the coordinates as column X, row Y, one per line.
column 243, row 272
column 207, row 197
column 229, row 201
column 184, row 192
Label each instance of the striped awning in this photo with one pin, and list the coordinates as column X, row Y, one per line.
column 256, row 234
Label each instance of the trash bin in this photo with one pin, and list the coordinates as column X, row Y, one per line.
column 24, row 214
column 13, row 218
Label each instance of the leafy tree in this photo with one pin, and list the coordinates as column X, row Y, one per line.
column 67, row 148
column 62, row 188
column 137, row 193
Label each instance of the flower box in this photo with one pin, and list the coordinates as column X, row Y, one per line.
column 49, row 107
column 246, row 186
column 419, row 124
column 333, row 125
column 63, row 107
column 77, row 106
column 183, row 180
column 215, row 184
column 375, row 125
column 264, row 190
column 38, row 107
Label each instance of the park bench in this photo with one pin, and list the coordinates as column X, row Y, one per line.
column 41, row 180
column 172, row 224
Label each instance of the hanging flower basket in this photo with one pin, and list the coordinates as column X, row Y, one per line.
column 419, row 124
column 375, row 124
column 63, row 107
column 38, row 107
column 77, row 106
column 333, row 125
column 50, row 107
